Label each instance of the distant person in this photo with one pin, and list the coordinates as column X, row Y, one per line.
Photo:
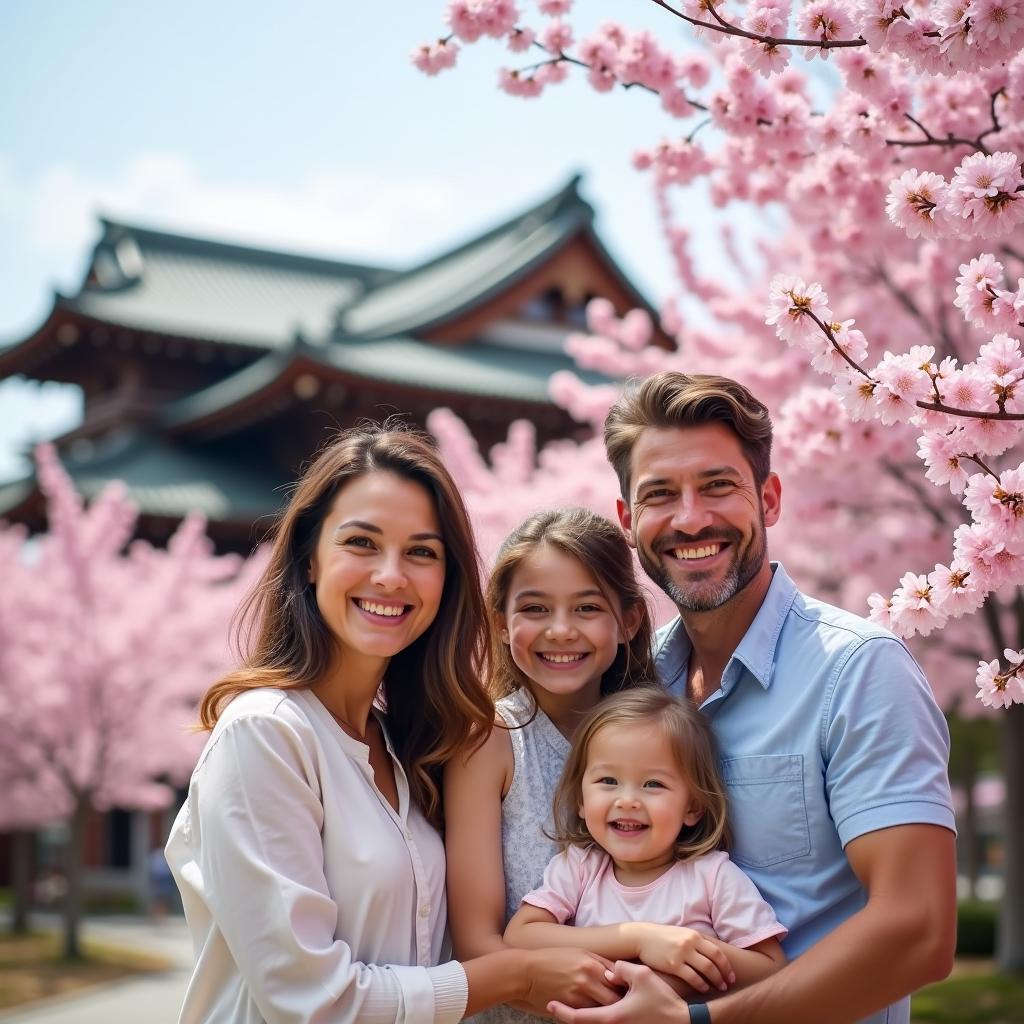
column 833, row 750
column 307, row 852
column 161, row 884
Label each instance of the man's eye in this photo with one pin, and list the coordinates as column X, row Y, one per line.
column 719, row 485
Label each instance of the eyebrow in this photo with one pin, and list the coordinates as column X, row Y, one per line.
column 594, row 592
column 361, row 524
column 602, row 766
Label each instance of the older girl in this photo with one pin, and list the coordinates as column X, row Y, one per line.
column 307, row 854
column 569, row 625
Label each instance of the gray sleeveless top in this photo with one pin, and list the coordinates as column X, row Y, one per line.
column 539, row 751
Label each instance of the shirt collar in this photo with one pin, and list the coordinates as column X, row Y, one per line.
column 756, row 651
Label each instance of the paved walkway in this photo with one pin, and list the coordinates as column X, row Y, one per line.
column 145, row 999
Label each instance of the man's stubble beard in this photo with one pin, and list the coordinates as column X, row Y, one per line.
column 695, row 599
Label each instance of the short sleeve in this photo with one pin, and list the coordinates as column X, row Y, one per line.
column 258, row 857
column 739, row 913
column 561, row 888
column 885, row 744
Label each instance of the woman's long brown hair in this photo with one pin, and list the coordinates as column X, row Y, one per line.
column 434, row 700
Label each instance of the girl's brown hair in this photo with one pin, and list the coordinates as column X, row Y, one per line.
column 434, row 700
column 696, row 756
column 601, row 548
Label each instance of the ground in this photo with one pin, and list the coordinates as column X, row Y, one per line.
column 31, row 967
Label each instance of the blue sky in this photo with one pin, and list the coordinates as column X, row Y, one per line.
column 301, row 126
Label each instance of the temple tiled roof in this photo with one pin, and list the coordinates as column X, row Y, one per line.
column 194, row 288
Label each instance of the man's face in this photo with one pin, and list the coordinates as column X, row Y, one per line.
column 697, row 518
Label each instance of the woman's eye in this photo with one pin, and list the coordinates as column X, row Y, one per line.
column 590, row 609
column 424, row 553
column 358, row 542
column 533, row 609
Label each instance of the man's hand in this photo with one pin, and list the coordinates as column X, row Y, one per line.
column 647, row 999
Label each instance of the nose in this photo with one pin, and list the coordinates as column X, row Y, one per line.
column 388, row 574
column 690, row 514
column 561, row 628
column 627, row 797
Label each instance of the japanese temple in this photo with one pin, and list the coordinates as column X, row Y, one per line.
column 210, row 372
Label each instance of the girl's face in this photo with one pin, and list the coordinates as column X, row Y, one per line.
column 378, row 568
column 635, row 800
column 560, row 627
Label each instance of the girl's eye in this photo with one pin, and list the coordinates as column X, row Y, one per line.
column 605, row 780
column 533, row 609
column 590, row 609
column 653, row 784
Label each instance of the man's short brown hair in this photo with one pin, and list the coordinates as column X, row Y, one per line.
column 673, row 399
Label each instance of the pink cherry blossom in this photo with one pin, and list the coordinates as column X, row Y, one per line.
column 554, row 8
column 1001, row 689
column 914, row 198
column 983, row 193
column 557, row 36
column 520, row 39
column 434, row 58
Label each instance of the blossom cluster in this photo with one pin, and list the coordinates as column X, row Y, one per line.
column 886, row 192
column 106, row 646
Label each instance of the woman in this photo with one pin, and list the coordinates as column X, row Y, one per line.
column 307, row 855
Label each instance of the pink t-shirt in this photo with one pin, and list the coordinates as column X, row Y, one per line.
column 708, row 894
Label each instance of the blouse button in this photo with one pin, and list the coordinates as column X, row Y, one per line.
column 425, row 910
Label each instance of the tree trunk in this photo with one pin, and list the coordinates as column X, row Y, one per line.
column 970, row 844
column 1010, row 946
column 21, row 881
column 73, row 899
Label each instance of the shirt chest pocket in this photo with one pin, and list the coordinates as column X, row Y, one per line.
column 767, row 808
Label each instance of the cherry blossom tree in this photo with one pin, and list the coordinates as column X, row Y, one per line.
column 889, row 346
column 106, row 646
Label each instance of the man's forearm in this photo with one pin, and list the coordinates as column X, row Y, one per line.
column 868, row 962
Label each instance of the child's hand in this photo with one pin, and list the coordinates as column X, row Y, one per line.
column 685, row 953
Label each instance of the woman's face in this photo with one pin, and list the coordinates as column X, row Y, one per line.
column 378, row 568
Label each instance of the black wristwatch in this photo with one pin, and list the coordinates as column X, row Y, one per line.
column 699, row 1013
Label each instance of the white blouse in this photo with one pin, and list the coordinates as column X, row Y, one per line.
column 308, row 897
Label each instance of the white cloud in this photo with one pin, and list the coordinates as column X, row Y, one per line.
column 357, row 214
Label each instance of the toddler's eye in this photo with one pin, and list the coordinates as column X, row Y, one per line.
column 653, row 784
column 605, row 780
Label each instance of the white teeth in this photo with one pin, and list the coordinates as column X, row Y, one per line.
column 628, row 826
column 562, row 659
column 687, row 554
column 390, row 610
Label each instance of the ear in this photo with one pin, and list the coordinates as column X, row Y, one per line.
column 771, row 499
column 631, row 620
column 501, row 625
column 625, row 514
column 693, row 815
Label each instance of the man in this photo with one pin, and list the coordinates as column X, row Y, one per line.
column 831, row 744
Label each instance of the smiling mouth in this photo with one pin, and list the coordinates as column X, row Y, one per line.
column 561, row 659
column 381, row 609
column 627, row 826
column 695, row 552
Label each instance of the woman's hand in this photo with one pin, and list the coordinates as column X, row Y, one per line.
column 687, row 954
column 648, row 1000
column 572, row 977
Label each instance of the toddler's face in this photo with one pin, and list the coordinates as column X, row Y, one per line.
column 635, row 800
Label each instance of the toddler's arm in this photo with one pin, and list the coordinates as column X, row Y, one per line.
column 697, row 960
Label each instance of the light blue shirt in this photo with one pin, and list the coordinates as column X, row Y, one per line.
column 827, row 729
